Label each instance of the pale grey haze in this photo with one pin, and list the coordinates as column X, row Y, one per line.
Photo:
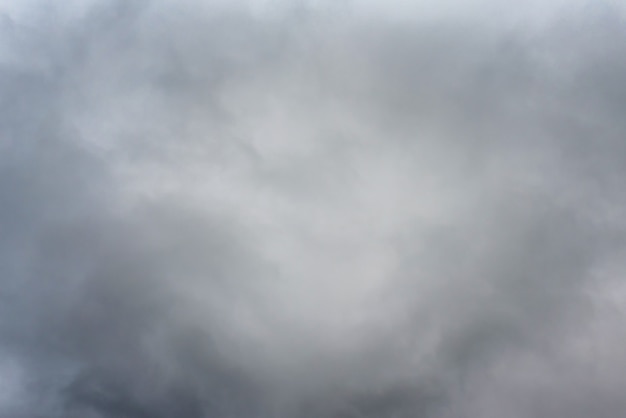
column 292, row 209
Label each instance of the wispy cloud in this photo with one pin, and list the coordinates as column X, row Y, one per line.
column 282, row 209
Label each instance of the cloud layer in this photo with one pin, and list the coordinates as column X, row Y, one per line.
column 213, row 209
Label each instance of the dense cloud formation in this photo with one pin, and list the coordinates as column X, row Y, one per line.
column 336, row 209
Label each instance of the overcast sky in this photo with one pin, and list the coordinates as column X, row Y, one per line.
column 292, row 209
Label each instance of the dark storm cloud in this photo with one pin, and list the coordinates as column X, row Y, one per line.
column 225, row 210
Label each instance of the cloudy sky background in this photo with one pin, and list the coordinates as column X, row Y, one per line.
column 300, row 209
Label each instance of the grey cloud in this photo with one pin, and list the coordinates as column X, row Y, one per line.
column 211, row 211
